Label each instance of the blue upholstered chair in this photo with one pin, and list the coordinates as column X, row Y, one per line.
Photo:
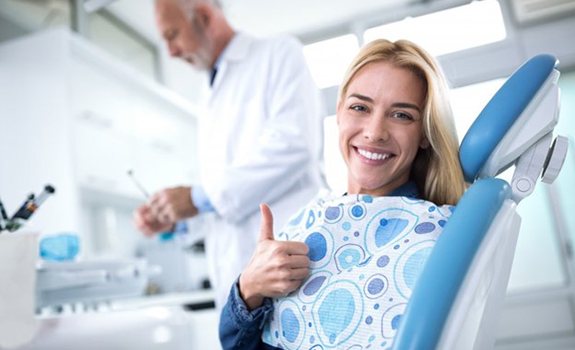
column 456, row 302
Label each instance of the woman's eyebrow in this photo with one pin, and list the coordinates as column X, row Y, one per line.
column 361, row 97
column 395, row 105
column 406, row 105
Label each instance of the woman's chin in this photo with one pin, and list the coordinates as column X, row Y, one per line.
column 367, row 187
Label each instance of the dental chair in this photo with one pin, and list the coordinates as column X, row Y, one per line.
column 455, row 303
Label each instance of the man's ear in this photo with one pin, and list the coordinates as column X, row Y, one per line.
column 203, row 14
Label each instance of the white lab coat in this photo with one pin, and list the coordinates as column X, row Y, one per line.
column 261, row 140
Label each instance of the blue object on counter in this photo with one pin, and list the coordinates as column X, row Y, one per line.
column 181, row 227
column 166, row 236
column 59, row 247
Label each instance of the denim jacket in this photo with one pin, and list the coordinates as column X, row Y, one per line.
column 241, row 329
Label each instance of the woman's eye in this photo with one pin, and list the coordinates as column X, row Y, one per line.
column 358, row 108
column 402, row 116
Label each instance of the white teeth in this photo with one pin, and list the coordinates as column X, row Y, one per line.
column 371, row 155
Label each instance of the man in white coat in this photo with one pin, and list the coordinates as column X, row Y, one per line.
column 261, row 140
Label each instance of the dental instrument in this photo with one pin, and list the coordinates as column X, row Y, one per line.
column 164, row 236
column 29, row 207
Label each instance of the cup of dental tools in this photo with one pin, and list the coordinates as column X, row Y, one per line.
column 18, row 258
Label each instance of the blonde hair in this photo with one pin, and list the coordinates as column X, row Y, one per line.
column 436, row 169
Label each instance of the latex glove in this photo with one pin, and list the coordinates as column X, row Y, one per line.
column 275, row 269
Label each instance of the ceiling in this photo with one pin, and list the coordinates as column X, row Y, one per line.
column 300, row 16
column 303, row 18
column 268, row 17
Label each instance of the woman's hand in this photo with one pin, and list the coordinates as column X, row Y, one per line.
column 276, row 268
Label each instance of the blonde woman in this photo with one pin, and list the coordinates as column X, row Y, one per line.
column 340, row 273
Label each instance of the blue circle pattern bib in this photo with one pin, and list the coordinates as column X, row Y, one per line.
column 366, row 254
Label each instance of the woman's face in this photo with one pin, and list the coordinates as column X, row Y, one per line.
column 380, row 127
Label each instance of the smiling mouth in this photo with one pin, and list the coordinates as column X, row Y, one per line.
column 373, row 156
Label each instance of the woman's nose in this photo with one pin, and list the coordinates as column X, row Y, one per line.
column 375, row 130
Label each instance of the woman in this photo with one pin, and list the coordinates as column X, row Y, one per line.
column 341, row 272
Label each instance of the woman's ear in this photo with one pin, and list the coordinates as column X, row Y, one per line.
column 337, row 111
column 424, row 143
column 339, row 116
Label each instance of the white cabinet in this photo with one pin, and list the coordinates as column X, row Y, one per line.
column 72, row 116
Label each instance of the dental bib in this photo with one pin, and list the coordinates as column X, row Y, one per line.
column 365, row 255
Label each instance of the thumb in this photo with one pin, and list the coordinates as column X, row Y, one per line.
column 267, row 225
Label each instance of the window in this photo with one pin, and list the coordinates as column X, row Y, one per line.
column 108, row 32
column 335, row 169
column 328, row 59
column 18, row 18
column 456, row 29
column 468, row 101
column 538, row 261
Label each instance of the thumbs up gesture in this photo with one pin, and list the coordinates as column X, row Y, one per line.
column 276, row 267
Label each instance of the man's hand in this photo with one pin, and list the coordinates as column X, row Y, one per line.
column 147, row 223
column 164, row 209
column 173, row 204
column 276, row 268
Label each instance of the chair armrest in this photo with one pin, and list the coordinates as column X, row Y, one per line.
column 445, row 270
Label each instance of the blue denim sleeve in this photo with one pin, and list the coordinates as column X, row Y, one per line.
column 201, row 200
column 240, row 328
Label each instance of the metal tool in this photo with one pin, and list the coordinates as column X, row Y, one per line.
column 23, row 214
column 4, row 217
column 138, row 184
column 164, row 236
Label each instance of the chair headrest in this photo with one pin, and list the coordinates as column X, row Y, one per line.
column 500, row 114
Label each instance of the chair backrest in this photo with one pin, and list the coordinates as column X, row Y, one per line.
column 455, row 302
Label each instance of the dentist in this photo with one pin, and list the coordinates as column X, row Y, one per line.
column 260, row 141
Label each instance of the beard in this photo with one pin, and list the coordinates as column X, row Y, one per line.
column 202, row 57
column 199, row 60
